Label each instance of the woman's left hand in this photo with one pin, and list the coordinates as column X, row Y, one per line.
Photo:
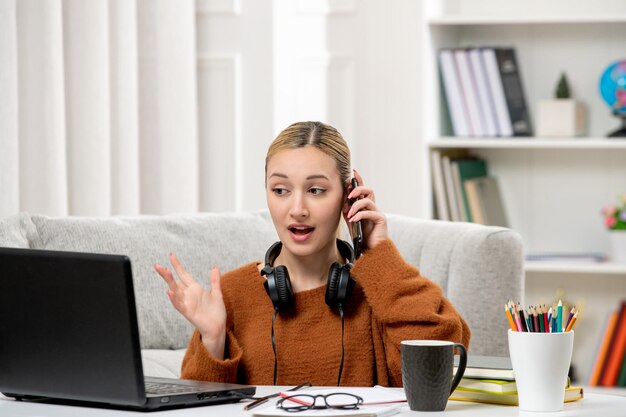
column 373, row 221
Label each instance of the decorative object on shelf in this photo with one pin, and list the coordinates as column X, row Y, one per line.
column 562, row 116
column 615, row 221
column 613, row 92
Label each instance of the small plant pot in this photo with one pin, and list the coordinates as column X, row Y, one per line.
column 618, row 246
column 562, row 118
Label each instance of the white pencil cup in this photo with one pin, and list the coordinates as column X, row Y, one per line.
column 541, row 362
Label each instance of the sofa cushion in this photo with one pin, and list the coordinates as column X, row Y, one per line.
column 199, row 240
column 164, row 363
column 14, row 231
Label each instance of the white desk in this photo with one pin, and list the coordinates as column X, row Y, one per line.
column 592, row 405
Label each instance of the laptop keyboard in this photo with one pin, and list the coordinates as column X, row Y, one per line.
column 155, row 388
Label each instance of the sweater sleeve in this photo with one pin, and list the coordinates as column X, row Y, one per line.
column 405, row 305
column 199, row 365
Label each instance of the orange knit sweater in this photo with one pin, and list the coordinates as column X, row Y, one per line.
column 390, row 303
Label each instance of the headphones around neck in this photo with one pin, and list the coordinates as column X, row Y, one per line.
column 278, row 286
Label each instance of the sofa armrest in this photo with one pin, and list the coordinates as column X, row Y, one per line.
column 479, row 268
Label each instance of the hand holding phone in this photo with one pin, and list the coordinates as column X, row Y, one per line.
column 357, row 228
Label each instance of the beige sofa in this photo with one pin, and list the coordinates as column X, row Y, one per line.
column 478, row 267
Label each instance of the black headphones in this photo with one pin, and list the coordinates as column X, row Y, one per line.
column 278, row 285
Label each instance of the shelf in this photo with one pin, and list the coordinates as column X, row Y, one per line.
column 461, row 20
column 605, row 390
column 527, row 143
column 604, row 268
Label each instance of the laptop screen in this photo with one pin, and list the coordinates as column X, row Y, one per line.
column 68, row 327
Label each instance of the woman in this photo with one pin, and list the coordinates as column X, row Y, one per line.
column 244, row 336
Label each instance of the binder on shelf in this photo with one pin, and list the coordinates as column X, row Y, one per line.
column 439, row 188
column 621, row 381
column 453, row 93
column 501, row 111
column 458, row 192
column 470, row 92
column 513, row 91
column 454, row 204
column 473, row 200
column 441, row 179
column 484, row 93
column 485, row 201
column 616, row 350
column 603, row 348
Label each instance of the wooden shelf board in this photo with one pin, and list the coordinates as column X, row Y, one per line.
column 528, row 143
column 461, row 20
column 607, row 268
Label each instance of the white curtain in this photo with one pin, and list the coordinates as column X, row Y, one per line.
column 98, row 107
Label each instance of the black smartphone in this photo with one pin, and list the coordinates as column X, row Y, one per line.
column 357, row 229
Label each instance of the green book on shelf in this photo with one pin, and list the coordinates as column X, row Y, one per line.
column 508, row 398
column 469, row 168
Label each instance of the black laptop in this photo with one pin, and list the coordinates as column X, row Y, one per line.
column 68, row 332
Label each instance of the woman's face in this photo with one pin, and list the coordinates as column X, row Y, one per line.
column 304, row 196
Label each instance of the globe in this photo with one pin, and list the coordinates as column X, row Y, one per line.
column 613, row 92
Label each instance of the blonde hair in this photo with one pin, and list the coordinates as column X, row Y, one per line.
column 322, row 136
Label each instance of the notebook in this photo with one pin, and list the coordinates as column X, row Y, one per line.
column 68, row 332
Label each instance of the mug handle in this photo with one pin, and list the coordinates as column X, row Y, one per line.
column 461, row 369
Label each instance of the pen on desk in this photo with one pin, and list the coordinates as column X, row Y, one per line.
column 262, row 400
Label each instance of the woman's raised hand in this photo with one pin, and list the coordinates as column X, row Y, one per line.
column 204, row 308
column 373, row 221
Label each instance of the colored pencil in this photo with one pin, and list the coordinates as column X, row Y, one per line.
column 520, row 311
column 535, row 320
column 518, row 321
column 550, row 319
column 571, row 322
column 508, row 316
column 559, row 318
column 570, row 316
column 546, row 322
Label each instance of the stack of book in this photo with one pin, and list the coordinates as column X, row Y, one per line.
column 490, row 379
column 609, row 366
column 464, row 191
column 483, row 90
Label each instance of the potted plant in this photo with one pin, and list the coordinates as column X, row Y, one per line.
column 615, row 222
column 562, row 116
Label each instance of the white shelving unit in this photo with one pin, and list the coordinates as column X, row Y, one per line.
column 553, row 188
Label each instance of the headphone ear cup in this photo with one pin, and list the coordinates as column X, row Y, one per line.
column 284, row 292
column 332, row 287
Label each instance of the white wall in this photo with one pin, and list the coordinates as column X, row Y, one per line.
column 235, row 96
column 354, row 64
column 114, row 115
